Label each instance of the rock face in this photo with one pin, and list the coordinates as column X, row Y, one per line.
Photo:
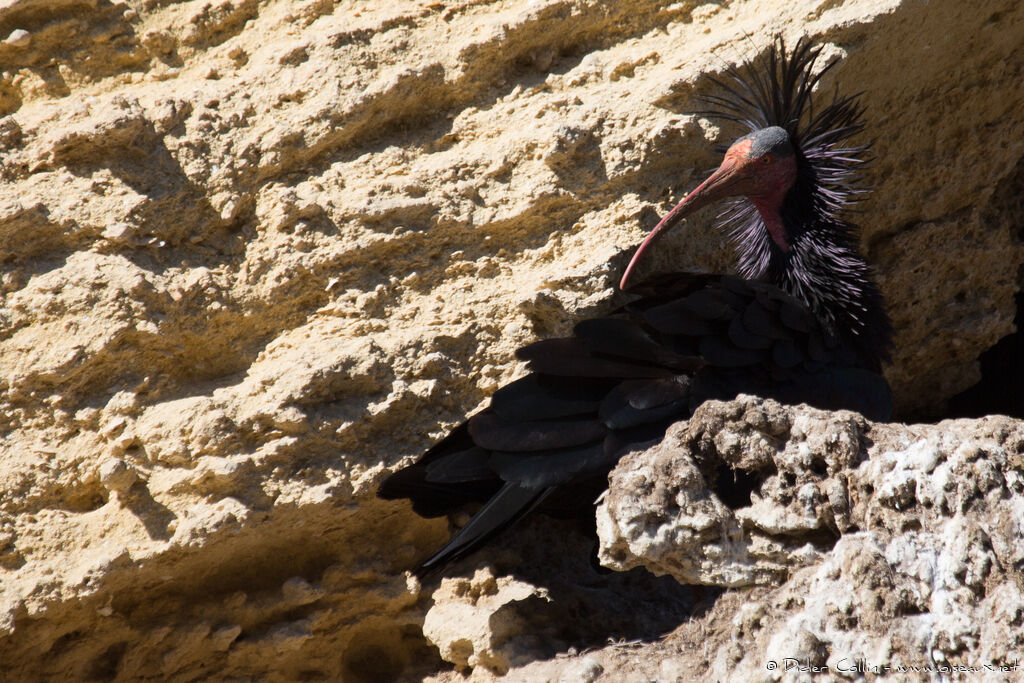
column 253, row 256
column 889, row 545
column 736, row 495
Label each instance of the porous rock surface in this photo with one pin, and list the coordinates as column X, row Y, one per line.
column 255, row 255
column 846, row 548
column 885, row 544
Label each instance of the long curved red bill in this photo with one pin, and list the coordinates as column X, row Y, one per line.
column 719, row 184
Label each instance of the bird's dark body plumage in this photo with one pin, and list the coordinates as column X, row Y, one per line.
column 803, row 323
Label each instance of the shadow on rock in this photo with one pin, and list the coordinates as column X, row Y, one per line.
column 542, row 593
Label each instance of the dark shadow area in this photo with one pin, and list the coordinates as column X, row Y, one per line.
column 105, row 667
column 1001, row 389
column 379, row 654
column 586, row 606
column 1002, row 366
column 154, row 516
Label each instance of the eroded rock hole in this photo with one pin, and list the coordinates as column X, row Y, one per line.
column 823, row 540
column 104, row 667
column 734, row 486
column 907, row 607
column 374, row 662
column 819, row 466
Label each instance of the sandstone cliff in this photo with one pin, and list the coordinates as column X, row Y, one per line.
column 254, row 255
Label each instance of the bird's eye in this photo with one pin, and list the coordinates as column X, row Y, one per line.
column 766, row 159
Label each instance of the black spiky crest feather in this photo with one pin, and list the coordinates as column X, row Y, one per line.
column 779, row 92
column 824, row 269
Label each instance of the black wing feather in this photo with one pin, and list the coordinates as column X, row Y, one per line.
column 568, row 357
column 495, row 433
column 537, row 397
column 550, row 468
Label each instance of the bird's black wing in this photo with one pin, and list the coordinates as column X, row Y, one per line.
column 616, row 385
column 756, row 339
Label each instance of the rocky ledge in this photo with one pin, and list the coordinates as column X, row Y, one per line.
column 833, row 545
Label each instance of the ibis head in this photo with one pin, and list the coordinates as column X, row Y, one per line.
column 787, row 183
column 760, row 166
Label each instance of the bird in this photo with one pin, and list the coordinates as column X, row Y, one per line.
column 801, row 320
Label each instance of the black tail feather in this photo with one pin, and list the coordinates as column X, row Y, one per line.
column 508, row 506
column 445, row 478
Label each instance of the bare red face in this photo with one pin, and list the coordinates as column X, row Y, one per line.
column 757, row 175
column 760, row 166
